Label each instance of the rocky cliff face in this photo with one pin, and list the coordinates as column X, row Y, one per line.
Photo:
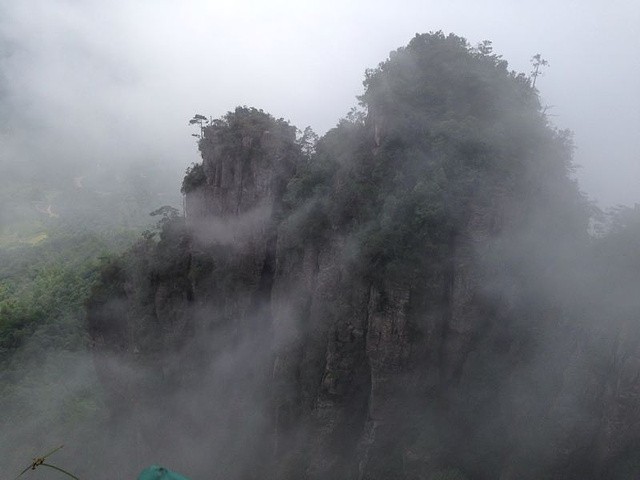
column 401, row 302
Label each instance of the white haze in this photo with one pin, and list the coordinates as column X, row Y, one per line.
column 106, row 83
column 97, row 82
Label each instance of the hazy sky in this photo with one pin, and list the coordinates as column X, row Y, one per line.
column 117, row 80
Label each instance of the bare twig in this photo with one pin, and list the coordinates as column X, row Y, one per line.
column 40, row 461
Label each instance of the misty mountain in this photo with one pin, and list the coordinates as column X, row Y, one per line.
column 415, row 295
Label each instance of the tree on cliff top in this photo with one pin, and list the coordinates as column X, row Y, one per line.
column 201, row 121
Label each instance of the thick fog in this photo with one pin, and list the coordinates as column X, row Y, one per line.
column 94, row 85
column 93, row 82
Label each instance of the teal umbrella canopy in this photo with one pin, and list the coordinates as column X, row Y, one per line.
column 156, row 472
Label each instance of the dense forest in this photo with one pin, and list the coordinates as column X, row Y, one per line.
column 421, row 293
column 58, row 228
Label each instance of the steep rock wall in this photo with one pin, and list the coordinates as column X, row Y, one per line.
column 402, row 303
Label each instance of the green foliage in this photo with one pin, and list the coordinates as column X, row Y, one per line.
column 229, row 131
column 48, row 389
column 121, row 304
column 167, row 214
column 307, row 141
column 56, row 232
column 201, row 121
column 244, row 134
column 194, row 177
column 43, row 290
column 447, row 126
column 243, row 118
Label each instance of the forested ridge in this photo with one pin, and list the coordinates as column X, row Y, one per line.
column 421, row 293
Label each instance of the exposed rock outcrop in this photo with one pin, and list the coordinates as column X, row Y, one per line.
column 400, row 306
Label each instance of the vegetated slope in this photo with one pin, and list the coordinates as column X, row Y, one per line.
column 49, row 393
column 54, row 236
column 416, row 296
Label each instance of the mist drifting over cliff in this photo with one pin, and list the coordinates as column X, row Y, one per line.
column 93, row 82
column 417, row 293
